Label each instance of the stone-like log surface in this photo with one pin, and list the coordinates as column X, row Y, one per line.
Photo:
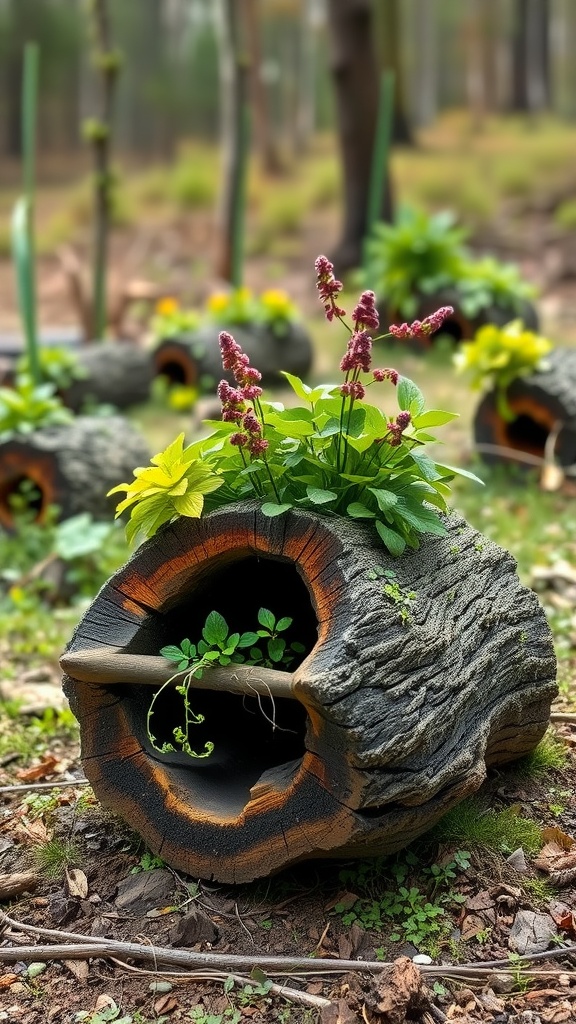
column 115, row 373
column 194, row 359
column 542, row 403
column 73, row 465
column 397, row 720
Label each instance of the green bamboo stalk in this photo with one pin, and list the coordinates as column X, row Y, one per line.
column 23, row 248
column 239, row 202
column 380, row 157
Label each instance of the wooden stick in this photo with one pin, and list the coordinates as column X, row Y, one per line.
column 92, row 946
column 562, row 716
column 13, row 884
column 107, row 666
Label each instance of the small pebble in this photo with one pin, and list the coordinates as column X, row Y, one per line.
column 160, row 987
column 35, row 969
column 422, row 958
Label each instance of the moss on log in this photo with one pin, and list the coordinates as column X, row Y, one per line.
column 388, row 721
column 544, row 416
column 72, row 465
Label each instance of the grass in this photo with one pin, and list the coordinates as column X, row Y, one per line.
column 53, row 857
column 550, row 755
column 474, row 824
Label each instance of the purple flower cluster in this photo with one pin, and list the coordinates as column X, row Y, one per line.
column 365, row 315
column 386, row 374
column 234, row 407
column 328, row 287
column 396, row 428
column 422, row 328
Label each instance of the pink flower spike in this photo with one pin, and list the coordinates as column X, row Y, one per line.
column 239, row 440
column 353, row 389
column 257, row 446
column 387, row 374
column 422, row 328
column 328, row 287
column 365, row 315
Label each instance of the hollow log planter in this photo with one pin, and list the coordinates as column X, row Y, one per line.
column 194, row 359
column 365, row 744
column 544, row 417
column 115, row 373
column 72, row 465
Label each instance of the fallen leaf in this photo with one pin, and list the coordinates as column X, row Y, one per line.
column 345, row 900
column 165, row 1004
column 562, row 916
column 552, row 477
column 79, row 968
column 77, row 883
column 481, row 901
column 561, row 866
column 47, row 766
column 471, row 926
column 7, row 979
column 556, row 835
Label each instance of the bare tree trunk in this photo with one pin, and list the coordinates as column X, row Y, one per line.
column 262, row 128
column 234, row 88
column 388, row 20
column 356, row 81
column 306, row 108
column 531, row 56
column 425, row 72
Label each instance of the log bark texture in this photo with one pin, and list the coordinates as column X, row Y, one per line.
column 399, row 719
column 116, row 373
column 194, row 359
column 73, row 465
column 543, row 404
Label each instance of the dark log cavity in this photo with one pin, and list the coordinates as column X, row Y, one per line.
column 544, row 407
column 115, row 373
column 388, row 723
column 194, row 359
column 71, row 466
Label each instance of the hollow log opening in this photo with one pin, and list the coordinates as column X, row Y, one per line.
column 20, row 493
column 526, row 434
column 173, row 361
column 253, row 734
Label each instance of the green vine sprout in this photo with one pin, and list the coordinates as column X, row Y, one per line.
column 218, row 646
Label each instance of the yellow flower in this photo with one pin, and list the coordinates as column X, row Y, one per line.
column 277, row 301
column 167, row 306
column 218, row 302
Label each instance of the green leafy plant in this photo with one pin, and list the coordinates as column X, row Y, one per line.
column 417, row 913
column 148, row 862
column 334, row 453
column 488, row 283
column 175, row 485
column 497, row 356
column 28, row 407
column 58, row 366
column 423, row 254
column 419, row 253
column 220, row 646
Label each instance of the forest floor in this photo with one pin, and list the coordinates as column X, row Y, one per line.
column 495, row 880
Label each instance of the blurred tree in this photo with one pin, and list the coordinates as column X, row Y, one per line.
column 425, row 61
column 264, row 137
column 531, row 56
column 388, row 23
column 234, row 99
column 356, row 80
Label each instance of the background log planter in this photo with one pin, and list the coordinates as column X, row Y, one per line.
column 460, row 326
column 383, row 726
column 71, row 465
column 544, row 407
column 194, row 359
column 115, row 373
column 12, row 348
